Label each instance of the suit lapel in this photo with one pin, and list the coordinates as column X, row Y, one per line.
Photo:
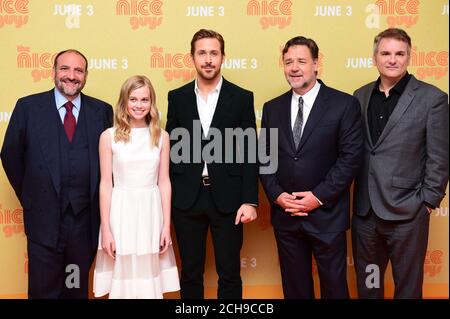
column 222, row 103
column 365, row 107
column 191, row 112
column 284, row 114
column 94, row 127
column 47, row 130
column 318, row 110
column 191, row 101
column 403, row 103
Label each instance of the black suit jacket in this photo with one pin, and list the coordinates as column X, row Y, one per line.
column 326, row 161
column 232, row 184
column 31, row 160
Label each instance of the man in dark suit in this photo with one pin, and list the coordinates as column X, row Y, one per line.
column 214, row 188
column 50, row 155
column 404, row 173
column 319, row 153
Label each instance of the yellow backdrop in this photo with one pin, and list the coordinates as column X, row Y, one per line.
column 151, row 37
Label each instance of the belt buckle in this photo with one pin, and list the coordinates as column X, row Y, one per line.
column 206, row 181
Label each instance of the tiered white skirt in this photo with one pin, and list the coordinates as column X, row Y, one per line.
column 139, row 270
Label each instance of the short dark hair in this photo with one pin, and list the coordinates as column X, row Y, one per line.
column 299, row 40
column 392, row 33
column 55, row 62
column 203, row 34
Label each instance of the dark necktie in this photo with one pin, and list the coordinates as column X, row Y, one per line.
column 69, row 121
column 297, row 129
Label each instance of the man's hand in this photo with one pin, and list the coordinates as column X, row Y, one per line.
column 288, row 202
column 303, row 204
column 285, row 200
column 245, row 214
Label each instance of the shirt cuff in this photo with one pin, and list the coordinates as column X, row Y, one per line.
column 317, row 199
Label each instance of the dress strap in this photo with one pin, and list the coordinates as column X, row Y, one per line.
column 112, row 130
column 160, row 140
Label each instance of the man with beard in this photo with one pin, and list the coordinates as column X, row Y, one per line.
column 218, row 194
column 50, row 156
column 319, row 153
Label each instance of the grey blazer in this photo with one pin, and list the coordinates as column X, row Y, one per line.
column 408, row 166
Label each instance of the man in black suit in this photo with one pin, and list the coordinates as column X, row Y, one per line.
column 219, row 194
column 319, row 153
column 50, row 156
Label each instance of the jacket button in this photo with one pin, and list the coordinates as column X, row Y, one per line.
column 295, row 158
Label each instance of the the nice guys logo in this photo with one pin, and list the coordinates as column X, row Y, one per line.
column 13, row 12
column 142, row 13
column 398, row 13
column 271, row 13
column 174, row 65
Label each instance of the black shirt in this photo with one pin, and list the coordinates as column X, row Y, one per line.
column 381, row 107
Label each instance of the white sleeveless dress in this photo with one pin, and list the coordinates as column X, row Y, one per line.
column 136, row 220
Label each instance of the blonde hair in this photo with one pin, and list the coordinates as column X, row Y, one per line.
column 122, row 117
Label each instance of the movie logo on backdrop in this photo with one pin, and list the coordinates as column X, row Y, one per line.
column 433, row 262
column 13, row 13
column 39, row 63
column 399, row 13
column 175, row 66
column 277, row 14
column 429, row 63
column 73, row 13
column 142, row 13
column 11, row 221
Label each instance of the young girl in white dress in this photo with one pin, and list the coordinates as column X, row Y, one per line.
column 135, row 257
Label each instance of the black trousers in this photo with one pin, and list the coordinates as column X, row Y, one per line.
column 62, row 272
column 376, row 241
column 295, row 251
column 191, row 228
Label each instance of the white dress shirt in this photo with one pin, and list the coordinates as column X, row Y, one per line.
column 308, row 101
column 60, row 100
column 206, row 110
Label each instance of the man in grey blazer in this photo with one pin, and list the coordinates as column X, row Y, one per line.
column 404, row 173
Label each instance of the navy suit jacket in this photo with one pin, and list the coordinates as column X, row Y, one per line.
column 31, row 159
column 326, row 161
